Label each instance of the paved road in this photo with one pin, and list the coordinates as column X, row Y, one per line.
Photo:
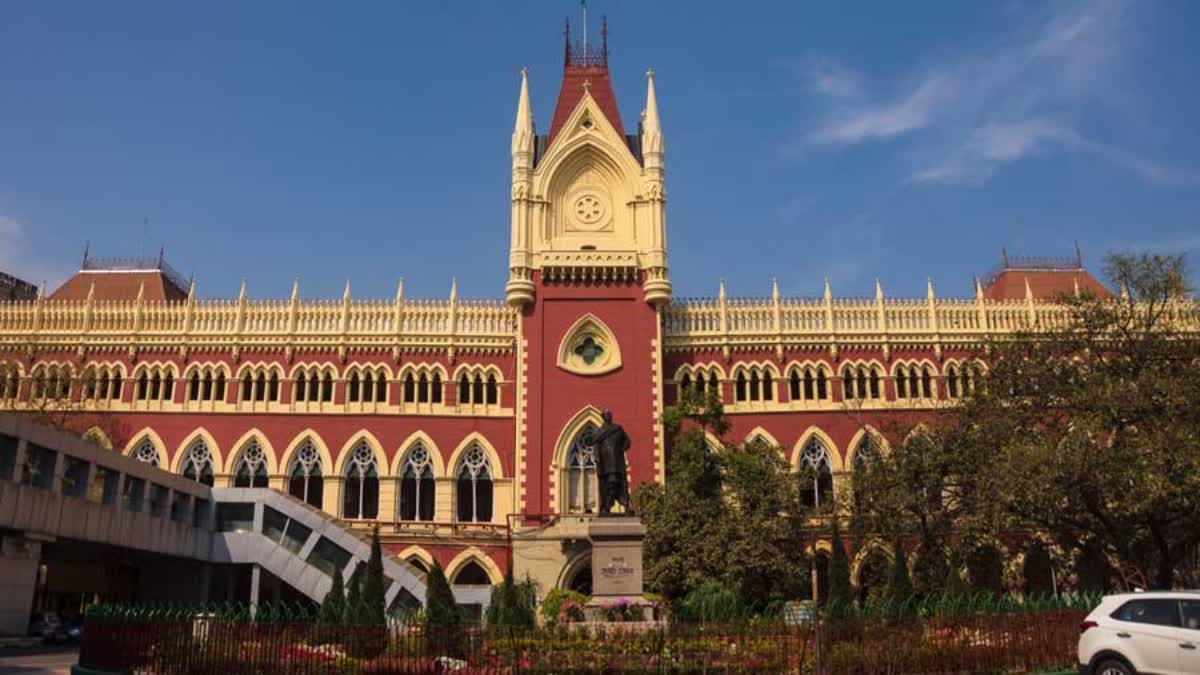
column 55, row 660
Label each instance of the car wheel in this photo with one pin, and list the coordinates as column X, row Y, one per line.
column 1113, row 667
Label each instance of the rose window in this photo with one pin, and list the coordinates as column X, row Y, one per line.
column 589, row 209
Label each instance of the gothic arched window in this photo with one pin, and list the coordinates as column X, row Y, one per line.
column 198, row 465
column 305, row 480
column 816, row 474
column 866, row 453
column 474, row 487
column 360, row 496
column 417, row 489
column 145, row 452
column 252, row 467
column 582, row 482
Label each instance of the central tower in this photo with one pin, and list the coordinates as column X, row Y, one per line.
column 588, row 273
column 587, row 199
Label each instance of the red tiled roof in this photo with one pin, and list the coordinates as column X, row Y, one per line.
column 119, row 285
column 571, row 94
column 1045, row 284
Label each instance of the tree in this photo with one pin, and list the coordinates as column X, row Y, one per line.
column 1088, row 429
column 374, row 603
column 333, row 607
column 354, row 598
column 441, row 609
column 1038, row 570
column 726, row 513
column 899, row 585
column 840, row 593
column 513, row 604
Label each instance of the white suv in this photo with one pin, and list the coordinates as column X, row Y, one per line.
column 1142, row 633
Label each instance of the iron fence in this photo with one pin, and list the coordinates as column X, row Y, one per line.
column 969, row 637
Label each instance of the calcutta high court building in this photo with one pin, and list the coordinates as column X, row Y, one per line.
column 459, row 426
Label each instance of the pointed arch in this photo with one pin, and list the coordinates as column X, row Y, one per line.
column 289, row 455
column 347, row 451
column 766, row 436
column 435, row 453
column 835, row 455
column 96, row 435
column 587, row 414
column 861, row 555
column 419, row 553
column 198, row 434
column 235, row 451
column 589, row 330
column 476, row 438
column 155, row 440
column 473, row 554
column 881, row 441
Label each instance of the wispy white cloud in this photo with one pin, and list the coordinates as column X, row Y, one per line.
column 984, row 109
column 16, row 259
column 833, row 79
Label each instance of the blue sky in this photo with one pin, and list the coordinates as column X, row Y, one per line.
column 370, row 140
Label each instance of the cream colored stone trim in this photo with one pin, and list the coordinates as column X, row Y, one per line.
column 656, row 391
column 346, row 453
column 289, row 454
column 240, row 444
column 484, row 444
column 764, row 435
column 96, row 435
column 417, row 552
column 558, row 460
column 197, row 434
column 473, row 554
column 423, row 439
column 150, row 433
column 835, row 455
column 521, row 422
column 589, row 325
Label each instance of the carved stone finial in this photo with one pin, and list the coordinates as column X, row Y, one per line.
column 587, row 85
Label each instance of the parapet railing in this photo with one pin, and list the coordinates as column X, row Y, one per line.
column 733, row 323
column 451, row 324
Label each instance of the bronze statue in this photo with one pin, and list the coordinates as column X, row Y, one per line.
column 611, row 442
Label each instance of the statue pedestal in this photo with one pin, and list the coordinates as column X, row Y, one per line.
column 617, row 566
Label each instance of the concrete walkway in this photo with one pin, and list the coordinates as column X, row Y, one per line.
column 55, row 660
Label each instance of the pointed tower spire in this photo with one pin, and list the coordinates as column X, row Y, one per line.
column 91, row 292
column 929, row 288
column 652, row 142
column 522, row 138
column 295, row 289
column 878, row 289
column 141, row 292
column 87, row 247
column 1028, row 291
column 346, row 292
column 242, row 291
column 1075, row 281
column 192, row 289
column 721, row 289
column 828, row 295
column 453, row 289
column 400, row 291
column 978, row 289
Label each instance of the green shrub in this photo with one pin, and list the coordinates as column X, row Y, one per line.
column 712, row 603
column 552, row 606
column 440, row 607
column 333, row 608
column 513, row 604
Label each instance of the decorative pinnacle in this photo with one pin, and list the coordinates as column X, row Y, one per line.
column 929, row 287
column 295, row 289
column 346, row 293
column 878, row 289
column 453, row 288
column 91, row 292
column 828, row 293
column 1028, row 290
column 192, row 290
column 978, row 289
column 400, row 290
column 721, row 288
column 775, row 288
column 587, row 85
column 242, row 292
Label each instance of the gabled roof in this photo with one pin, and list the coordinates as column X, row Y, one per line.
column 121, row 279
column 1047, row 278
column 1043, row 284
column 585, row 67
column 598, row 83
